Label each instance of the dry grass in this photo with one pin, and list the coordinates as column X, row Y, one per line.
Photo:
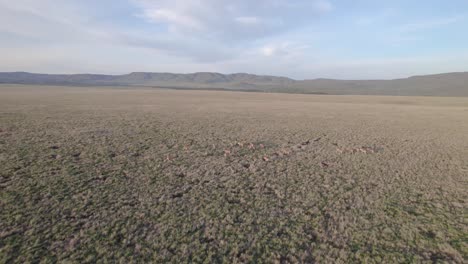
column 194, row 176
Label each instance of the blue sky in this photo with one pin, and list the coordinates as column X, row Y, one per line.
column 359, row 39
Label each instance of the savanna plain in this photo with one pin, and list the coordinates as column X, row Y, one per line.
column 150, row 175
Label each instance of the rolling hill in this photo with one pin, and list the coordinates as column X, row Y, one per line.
column 448, row 84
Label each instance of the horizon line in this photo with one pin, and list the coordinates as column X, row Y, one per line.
column 234, row 73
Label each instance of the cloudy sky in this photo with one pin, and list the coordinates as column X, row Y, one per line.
column 358, row 39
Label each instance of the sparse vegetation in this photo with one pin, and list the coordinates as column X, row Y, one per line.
column 128, row 175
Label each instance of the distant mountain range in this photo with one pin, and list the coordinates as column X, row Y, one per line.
column 447, row 84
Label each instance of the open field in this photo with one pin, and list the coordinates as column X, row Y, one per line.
column 140, row 175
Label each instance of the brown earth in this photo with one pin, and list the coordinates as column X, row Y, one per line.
column 141, row 175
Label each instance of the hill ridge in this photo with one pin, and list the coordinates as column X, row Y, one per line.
column 444, row 84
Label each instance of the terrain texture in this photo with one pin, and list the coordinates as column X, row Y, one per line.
column 448, row 84
column 148, row 175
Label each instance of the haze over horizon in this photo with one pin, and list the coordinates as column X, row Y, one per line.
column 297, row 39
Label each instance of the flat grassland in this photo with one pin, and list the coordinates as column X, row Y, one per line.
column 148, row 175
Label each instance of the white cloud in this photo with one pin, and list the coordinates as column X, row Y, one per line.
column 268, row 50
column 234, row 20
column 172, row 17
column 221, row 30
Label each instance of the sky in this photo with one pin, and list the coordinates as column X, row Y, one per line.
column 303, row 39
